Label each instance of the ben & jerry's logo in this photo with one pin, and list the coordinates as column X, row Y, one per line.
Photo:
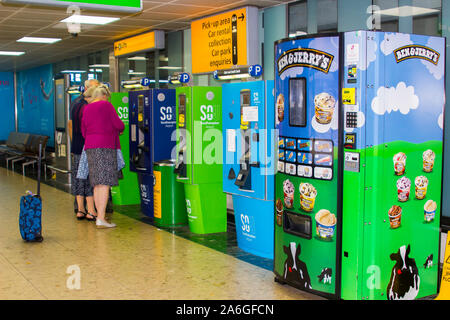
column 416, row 51
column 305, row 57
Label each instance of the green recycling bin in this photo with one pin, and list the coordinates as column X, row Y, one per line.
column 169, row 206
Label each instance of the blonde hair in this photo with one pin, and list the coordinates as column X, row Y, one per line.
column 101, row 91
column 91, row 83
column 88, row 93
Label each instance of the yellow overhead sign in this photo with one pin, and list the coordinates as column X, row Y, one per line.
column 224, row 40
column 140, row 43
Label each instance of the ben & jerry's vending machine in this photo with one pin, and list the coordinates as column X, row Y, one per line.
column 360, row 156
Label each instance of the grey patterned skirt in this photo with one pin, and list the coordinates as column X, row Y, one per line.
column 103, row 167
column 80, row 187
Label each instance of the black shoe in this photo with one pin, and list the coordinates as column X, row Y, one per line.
column 83, row 215
column 90, row 219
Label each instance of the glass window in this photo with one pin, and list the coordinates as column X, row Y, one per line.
column 152, row 65
column 298, row 18
column 98, row 66
column 427, row 17
column 327, row 16
column 389, row 21
column 91, row 66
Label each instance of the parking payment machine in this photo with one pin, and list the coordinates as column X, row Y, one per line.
column 360, row 154
column 199, row 157
column 152, row 136
column 249, row 162
column 127, row 192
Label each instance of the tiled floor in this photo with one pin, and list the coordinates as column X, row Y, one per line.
column 133, row 261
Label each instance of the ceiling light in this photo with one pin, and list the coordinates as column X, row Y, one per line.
column 99, row 66
column 76, row 18
column 170, row 68
column 73, row 71
column 11, row 53
column 137, row 73
column 38, row 40
column 406, row 11
column 138, row 58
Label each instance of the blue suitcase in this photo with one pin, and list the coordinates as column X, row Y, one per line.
column 30, row 222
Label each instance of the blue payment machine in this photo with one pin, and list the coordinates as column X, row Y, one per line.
column 248, row 115
column 152, row 136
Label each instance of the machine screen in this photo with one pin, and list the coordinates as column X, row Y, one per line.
column 245, row 98
column 181, row 110
column 140, row 108
column 297, row 102
column 182, row 100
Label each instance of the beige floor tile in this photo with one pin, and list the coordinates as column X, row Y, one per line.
column 132, row 261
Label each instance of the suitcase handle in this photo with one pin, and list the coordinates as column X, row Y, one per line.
column 39, row 171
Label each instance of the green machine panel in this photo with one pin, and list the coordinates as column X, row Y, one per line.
column 127, row 192
column 199, row 157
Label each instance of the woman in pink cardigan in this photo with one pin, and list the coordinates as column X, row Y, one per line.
column 101, row 127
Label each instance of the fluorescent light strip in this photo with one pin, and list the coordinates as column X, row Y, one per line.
column 406, row 11
column 170, row 68
column 11, row 53
column 234, row 76
column 38, row 40
column 136, row 73
column 99, row 66
column 76, row 18
column 137, row 58
column 73, row 71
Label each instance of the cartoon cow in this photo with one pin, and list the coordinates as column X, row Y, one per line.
column 295, row 270
column 405, row 280
column 429, row 262
column 325, row 275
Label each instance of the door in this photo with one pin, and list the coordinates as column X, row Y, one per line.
column 404, row 132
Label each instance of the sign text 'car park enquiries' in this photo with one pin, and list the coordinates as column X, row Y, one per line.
column 225, row 40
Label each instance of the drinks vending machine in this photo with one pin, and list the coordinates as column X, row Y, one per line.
column 152, row 136
column 199, row 157
column 249, row 162
column 360, row 157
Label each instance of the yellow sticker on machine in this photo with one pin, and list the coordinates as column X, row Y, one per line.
column 444, row 292
column 349, row 96
column 157, row 205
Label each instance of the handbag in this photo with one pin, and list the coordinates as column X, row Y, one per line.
column 120, row 160
column 83, row 167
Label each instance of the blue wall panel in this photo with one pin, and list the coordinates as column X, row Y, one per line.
column 35, row 99
column 7, row 104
